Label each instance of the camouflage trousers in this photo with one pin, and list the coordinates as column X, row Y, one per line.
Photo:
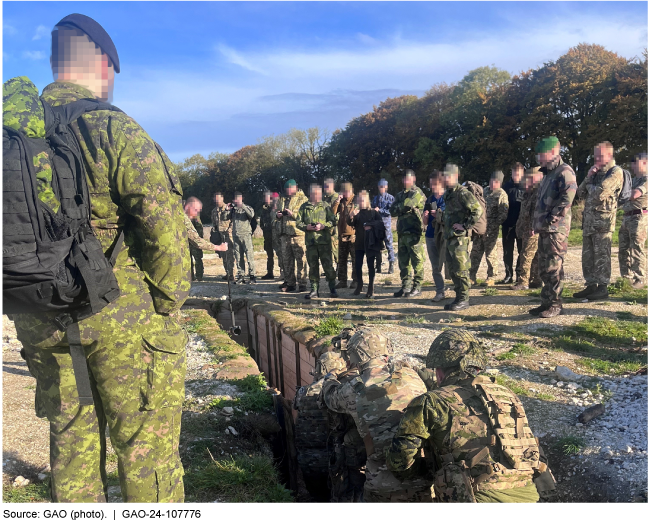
column 293, row 259
column 322, row 254
column 527, row 262
column 228, row 257
column 243, row 246
column 597, row 258
column 410, row 253
column 551, row 251
column 136, row 360
column 277, row 248
column 334, row 245
column 196, row 259
column 632, row 258
column 382, row 486
column 346, row 476
column 268, row 248
column 457, row 261
column 346, row 249
column 485, row 244
column 388, row 240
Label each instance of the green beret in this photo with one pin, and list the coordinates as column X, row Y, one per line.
column 498, row 175
column 547, row 144
column 290, row 182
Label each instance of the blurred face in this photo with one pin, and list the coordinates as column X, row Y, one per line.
column 517, row 174
column 238, row 199
column 267, row 198
column 527, row 182
column 640, row 167
column 547, row 157
column 346, row 193
column 363, row 201
column 291, row 190
column 494, row 184
column 193, row 210
column 328, row 186
column 602, row 155
column 451, row 180
column 315, row 194
column 383, row 189
column 537, row 178
column 409, row 181
column 437, row 186
column 218, row 199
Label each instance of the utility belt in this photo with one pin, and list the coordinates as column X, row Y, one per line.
column 635, row 212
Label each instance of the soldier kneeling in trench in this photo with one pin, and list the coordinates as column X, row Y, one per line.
column 331, row 454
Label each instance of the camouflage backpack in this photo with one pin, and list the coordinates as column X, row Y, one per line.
column 477, row 191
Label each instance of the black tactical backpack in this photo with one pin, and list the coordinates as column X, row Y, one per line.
column 477, row 191
column 52, row 261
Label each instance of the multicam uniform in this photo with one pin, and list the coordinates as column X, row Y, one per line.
column 463, row 208
column 196, row 252
column 600, row 192
column 292, row 241
column 552, row 221
column 634, row 232
column 527, row 268
column 496, row 211
column 222, row 233
column 135, row 349
column 408, row 207
column 334, row 239
column 276, row 230
column 318, row 243
column 242, row 237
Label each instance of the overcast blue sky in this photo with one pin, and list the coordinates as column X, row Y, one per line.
column 216, row 76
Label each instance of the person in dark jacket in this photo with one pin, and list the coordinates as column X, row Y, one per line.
column 369, row 238
column 515, row 193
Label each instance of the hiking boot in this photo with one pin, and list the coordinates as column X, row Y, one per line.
column 228, row 278
column 553, row 310
column 353, row 285
column 490, row 282
column 359, row 288
column 506, row 280
column 449, row 305
column 519, row 286
column 591, row 289
column 391, row 267
column 240, row 280
column 535, row 285
column 268, row 275
column 415, row 291
column 333, row 292
column 313, row 294
column 461, row 305
column 342, row 285
column 439, row 297
column 638, row 284
column 371, row 289
column 538, row 310
column 302, row 288
column 399, row 293
column 289, row 288
column 601, row 293
column 252, row 280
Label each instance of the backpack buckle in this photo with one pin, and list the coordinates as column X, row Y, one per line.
column 63, row 321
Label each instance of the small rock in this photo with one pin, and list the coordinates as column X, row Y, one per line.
column 323, row 304
column 42, row 476
column 227, row 411
column 347, row 316
column 578, row 424
column 232, row 431
column 20, row 481
column 572, row 386
column 566, row 374
column 223, row 298
column 591, row 412
column 585, row 301
column 559, row 384
column 227, row 431
column 584, row 395
column 575, row 401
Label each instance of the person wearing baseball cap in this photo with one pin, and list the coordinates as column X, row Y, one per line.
column 552, row 221
column 381, row 203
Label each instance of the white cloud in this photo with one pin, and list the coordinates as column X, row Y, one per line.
column 34, row 55
column 366, row 39
column 234, row 57
column 9, row 30
column 41, row 32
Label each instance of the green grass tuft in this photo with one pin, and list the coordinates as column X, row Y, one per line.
column 490, row 291
column 35, row 492
column 512, row 385
column 623, row 289
column 413, row 320
column 597, row 366
column 570, row 445
column 254, row 397
column 330, row 326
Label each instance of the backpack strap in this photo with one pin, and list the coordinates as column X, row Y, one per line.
column 68, row 113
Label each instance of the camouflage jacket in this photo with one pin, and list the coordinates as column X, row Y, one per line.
column 329, row 199
column 452, row 424
column 222, row 219
column 638, row 183
column 198, row 226
column 497, row 208
column 408, row 207
column 527, row 213
column 316, row 213
column 555, row 196
column 600, row 192
column 134, row 189
column 287, row 225
column 241, row 220
column 267, row 215
column 460, row 207
column 196, row 240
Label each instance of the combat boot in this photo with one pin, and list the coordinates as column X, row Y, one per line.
column 284, row 284
column 342, row 285
column 439, row 296
column 289, row 288
column 268, row 275
column 535, row 285
column 461, row 305
column 415, row 291
column 553, row 310
column 591, row 289
column 313, row 294
column 302, row 288
column 399, row 293
column 240, row 280
column 538, row 310
column 520, row 285
column 371, row 288
column 359, row 288
column 333, row 292
column 449, row 305
column 391, row 267
column 252, row 280
column 601, row 293
column 638, row 284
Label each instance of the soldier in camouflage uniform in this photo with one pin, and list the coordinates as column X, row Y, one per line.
column 527, row 268
column 242, row 238
column 552, row 221
column 634, row 229
column 496, row 201
column 266, row 224
column 193, row 208
column 276, row 228
column 376, row 400
column 408, row 207
column 316, row 219
column 221, row 232
column 462, row 211
column 600, row 190
column 292, row 240
column 330, row 196
column 475, row 435
column 135, row 346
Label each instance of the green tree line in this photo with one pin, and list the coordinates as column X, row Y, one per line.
column 486, row 121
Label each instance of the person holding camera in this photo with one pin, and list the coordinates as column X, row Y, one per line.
column 292, row 239
column 315, row 218
column 433, row 210
column 222, row 232
column 242, row 237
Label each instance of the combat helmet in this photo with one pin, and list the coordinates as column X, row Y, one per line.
column 365, row 344
column 456, row 348
column 328, row 362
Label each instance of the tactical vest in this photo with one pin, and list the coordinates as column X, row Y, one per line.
column 491, row 446
column 311, row 430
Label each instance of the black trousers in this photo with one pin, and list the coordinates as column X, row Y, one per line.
column 370, row 255
column 509, row 237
